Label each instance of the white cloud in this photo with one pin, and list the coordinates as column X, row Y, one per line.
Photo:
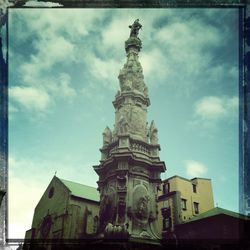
column 56, row 21
column 41, row 4
column 93, row 38
column 24, row 195
column 52, row 49
column 106, row 70
column 28, row 180
column 115, row 35
column 212, row 107
column 64, row 86
column 186, row 41
column 49, row 52
column 195, row 169
column 54, row 34
column 29, row 97
column 189, row 48
column 154, row 65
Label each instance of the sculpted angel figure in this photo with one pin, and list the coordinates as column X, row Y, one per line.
column 153, row 133
column 107, row 136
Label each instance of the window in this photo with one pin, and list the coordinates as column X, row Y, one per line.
column 196, row 207
column 95, row 224
column 167, row 223
column 194, row 188
column 166, row 188
column 51, row 192
column 166, row 212
column 46, row 226
column 184, row 204
column 166, row 204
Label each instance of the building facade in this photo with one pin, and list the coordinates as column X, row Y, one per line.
column 216, row 224
column 181, row 199
column 67, row 210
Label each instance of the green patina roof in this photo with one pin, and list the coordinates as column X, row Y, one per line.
column 216, row 211
column 81, row 190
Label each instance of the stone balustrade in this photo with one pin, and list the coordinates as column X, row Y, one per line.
column 139, row 147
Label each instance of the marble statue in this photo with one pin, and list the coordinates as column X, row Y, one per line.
column 135, row 27
column 153, row 133
column 107, row 136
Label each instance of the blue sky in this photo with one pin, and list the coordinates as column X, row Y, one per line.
column 63, row 69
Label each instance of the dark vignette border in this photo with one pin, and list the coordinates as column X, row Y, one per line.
column 244, row 93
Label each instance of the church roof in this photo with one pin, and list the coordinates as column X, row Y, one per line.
column 218, row 211
column 82, row 191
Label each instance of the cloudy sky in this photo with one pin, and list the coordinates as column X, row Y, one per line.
column 63, row 68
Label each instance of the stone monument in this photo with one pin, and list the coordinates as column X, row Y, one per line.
column 130, row 167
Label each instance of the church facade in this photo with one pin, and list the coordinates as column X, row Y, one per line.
column 66, row 210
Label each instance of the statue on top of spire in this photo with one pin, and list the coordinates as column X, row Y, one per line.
column 135, row 27
column 134, row 42
column 131, row 75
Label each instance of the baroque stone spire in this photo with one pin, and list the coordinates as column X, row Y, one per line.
column 132, row 100
column 130, row 167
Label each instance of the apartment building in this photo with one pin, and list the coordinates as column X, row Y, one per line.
column 181, row 199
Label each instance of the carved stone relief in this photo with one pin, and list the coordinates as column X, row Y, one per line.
column 145, row 184
column 131, row 75
column 121, row 180
column 141, row 203
column 121, row 210
column 123, row 165
column 128, row 197
column 116, row 231
column 136, row 182
column 107, row 206
column 131, row 119
column 141, row 211
column 107, row 136
column 123, row 125
column 153, row 133
column 138, row 169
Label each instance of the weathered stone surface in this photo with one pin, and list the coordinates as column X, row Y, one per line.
column 131, row 75
column 107, row 136
column 130, row 168
column 153, row 133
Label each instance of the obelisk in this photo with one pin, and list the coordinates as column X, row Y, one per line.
column 130, row 167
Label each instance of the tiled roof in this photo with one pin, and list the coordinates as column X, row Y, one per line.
column 217, row 211
column 82, row 191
